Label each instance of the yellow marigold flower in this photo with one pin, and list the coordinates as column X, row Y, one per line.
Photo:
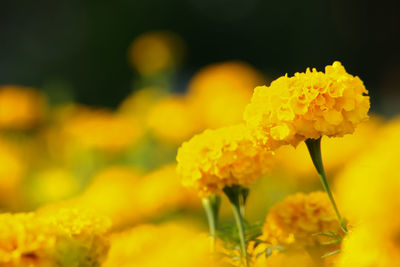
column 172, row 120
column 295, row 220
column 153, row 52
column 218, row 158
column 308, row 105
column 221, row 91
column 61, row 239
column 20, row 107
column 169, row 244
column 100, row 129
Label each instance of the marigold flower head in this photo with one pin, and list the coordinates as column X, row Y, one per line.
column 218, row 158
column 308, row 105
column 297, row 219
column 59, row 239
column 20, row 107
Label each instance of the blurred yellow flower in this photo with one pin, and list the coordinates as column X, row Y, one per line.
column 112, row 194
column 50, row 185
column 126, row 197
column 218, row 158
column 172, row 120
column 20, row 107
column 220, row 92
column 138, row 104
column 367, row 186
column 169, row 244
column 100, row 129
column 161, row 191
column 153, row 52
column 296, row 220
column 372, row 245
column 368, row 191
column 308, row 105
column 61, row 239
column 12, row 171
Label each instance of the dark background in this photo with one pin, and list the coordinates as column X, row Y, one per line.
column 82, row 45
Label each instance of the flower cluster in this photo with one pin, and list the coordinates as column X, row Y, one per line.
column 307, row 105
column 121, row 165
column 218, row 158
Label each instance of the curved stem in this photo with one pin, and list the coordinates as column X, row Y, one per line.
column 240, row 226
column 233, row 193
column 314, row 147
column 211, row 206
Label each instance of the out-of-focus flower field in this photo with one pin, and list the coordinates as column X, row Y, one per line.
column 90, row 186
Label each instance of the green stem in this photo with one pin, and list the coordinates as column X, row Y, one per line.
column 314, row 147
column 234, row 195
column 243, row 194
column 211, row 206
